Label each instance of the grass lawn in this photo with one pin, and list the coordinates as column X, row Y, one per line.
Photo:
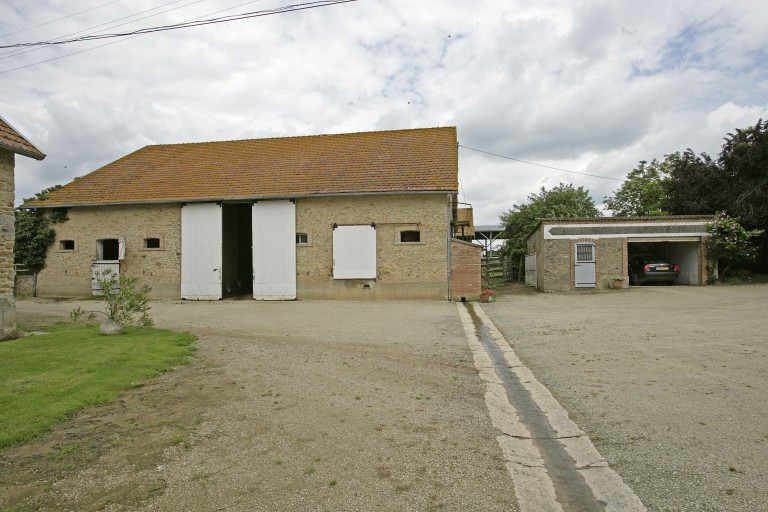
column 45, row 378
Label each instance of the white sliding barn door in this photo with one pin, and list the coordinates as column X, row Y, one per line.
column 201, row 251
column 274, row 250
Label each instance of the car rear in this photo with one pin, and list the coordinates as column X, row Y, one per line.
column 656, row 271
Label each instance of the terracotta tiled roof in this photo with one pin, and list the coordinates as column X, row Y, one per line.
column 389, row 161
column 12, row 140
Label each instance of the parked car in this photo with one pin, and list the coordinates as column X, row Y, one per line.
column 652, row 269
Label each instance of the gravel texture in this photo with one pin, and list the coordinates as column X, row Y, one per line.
column 670, row 383
column 287, row 406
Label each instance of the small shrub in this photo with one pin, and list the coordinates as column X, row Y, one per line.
column 81, row 316
column 125, row 302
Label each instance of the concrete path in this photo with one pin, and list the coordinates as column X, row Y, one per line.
column 554, row 465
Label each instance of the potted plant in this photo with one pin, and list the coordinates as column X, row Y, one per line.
column 486, row 295
column 617, row 282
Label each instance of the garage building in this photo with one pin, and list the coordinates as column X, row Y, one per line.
column 565, row 254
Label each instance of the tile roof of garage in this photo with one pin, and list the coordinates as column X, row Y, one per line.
column 14, row 141
column 418, row 160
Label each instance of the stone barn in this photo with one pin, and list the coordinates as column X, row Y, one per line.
column 351, row 216
column 566, row 254
column 12, row 143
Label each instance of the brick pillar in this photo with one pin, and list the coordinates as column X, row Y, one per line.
column 465, row 270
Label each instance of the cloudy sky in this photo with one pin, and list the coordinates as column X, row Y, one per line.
column 587, row 86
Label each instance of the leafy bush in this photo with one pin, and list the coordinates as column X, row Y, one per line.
column 125, row 303
column 728, row 241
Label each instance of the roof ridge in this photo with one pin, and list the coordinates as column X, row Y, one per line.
column 283, row 137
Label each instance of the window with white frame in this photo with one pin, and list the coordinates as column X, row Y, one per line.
column 110, row 249
column 354, row 252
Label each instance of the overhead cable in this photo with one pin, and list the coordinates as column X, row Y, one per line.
column 539, row 165
column 188, row 24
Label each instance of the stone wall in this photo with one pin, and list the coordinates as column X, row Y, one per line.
column 465, row 270
column 67, row 271
column 404, row 270
column 24, row 285
column 7, row 236
column 416, row 270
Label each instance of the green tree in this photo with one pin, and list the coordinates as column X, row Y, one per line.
column 696, row 186
column 644, row 191
column 34, row 233
column 736, row 183
column 744, row 160
column 559, row 202
column 728, row 243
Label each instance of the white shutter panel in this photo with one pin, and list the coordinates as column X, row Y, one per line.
column 354, row 252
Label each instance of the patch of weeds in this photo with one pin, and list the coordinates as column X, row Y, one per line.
column 309, row 471
column 357, row 397
column 730, row 492
column 180, row 440
column 383, row 472
column 332, row 483
column 278, row 462
column 62, row 451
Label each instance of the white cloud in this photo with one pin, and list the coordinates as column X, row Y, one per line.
column 591, row 87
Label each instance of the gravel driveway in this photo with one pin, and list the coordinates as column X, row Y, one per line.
column 289, row 406
column 670, row 383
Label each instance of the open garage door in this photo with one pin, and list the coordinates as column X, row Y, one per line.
column 682, row 251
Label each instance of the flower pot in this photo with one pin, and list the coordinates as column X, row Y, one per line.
column 617, row 285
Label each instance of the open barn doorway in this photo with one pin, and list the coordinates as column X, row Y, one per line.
column 237, row 253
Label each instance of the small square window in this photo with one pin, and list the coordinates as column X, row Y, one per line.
column 66, row 245
column 302, row 239
column 151, row 243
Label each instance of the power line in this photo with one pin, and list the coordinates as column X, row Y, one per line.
column 188, row 24
column 540, row 165
column 59, row 19
column 17, row 52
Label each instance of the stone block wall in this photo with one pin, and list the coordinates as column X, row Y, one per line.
column 465, row 270
column 67, row 272
column 404, row 270
column 417, row 270
column 7, row 237
column 25, row 285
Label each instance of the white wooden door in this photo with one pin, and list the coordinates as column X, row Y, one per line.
column 98, row 267
column 585, row 265
column 201, row 251
column 274, row 250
